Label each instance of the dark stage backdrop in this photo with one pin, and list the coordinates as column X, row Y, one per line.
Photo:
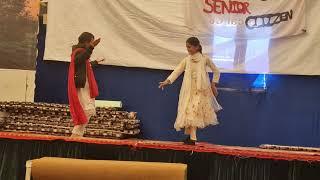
column 287, row 113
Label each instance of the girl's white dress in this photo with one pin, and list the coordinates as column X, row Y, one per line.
column 197, row 104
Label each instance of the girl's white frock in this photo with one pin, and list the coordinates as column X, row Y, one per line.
column 197, row 104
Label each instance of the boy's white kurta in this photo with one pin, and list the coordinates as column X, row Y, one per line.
column 197, row 104
column 88, row 106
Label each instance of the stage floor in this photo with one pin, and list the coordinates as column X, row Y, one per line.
column 243, row 152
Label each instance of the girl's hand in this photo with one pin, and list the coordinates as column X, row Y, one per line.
column 214, row 89
column 164, row 83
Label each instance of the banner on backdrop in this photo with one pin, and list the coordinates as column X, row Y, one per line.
column 18, row 34
column 241, row 36
column 246, row 19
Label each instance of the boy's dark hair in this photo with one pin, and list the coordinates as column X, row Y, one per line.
column 194, row 42
column 85, row 37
